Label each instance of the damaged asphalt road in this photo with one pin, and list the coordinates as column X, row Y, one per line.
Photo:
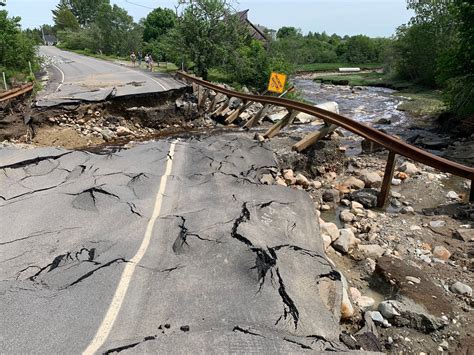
column 233, row 266
column 75, row 78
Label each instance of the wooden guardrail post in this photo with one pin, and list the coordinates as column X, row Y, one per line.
column 223, row 107
column 387, row 180
column 245, row 105
column 312, row 138
column 285, row 121
column 214, row 103
column 259, row 115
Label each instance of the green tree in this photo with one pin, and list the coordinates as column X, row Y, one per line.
column 16, row 47
column 208, row 34
column 158, row 23
column 64, row 19
column 85, row 11
column 286, row 32
column 360, row 49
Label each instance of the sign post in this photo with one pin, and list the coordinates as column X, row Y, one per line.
column 277, row 83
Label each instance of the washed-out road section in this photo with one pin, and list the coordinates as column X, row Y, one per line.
column 231, row 266
column 76, row 78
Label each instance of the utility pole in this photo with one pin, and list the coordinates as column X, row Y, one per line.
column 42, row 31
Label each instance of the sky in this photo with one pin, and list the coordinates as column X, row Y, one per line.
column 375, row 18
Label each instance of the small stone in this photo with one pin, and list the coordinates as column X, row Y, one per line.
column 371, row 250
column 347, row 310
column 444, row 344
column 406, row 210
column 331, row 195
column 365, row 302
column 267, row 179
column 184, row 328
column 440, row 252
column 354, row 183
column 259, row 137
column 370, row 178
column 326, row 241
column 452, row 195
column 388, row 309
column 315, row 184
column 461, row 289
column 466, row 235
column 395, row 194
column 346, row 241
column 167, row 326
column 401, row 176
column 289, row 176
column 415, row 228
column 355, row 293
column 376, row 317
column 396, row 182
column 330, row 229
column 415, row 280
column 437, row 224
column 123, row 131
column 325, row 207
column 52, row 119
column 346, row 216
column 371, row 214
column 356, row 205
column 409, row 168
column 280, row 181
column 302, row 180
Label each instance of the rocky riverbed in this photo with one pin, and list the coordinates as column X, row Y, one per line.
column 408, row 267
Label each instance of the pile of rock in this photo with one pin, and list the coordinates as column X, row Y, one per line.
column 94, row 123
column 287, row 177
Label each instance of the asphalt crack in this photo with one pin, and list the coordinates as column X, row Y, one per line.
column 246, row 331
column 25, row 163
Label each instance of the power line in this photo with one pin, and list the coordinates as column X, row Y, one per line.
column 133, row 3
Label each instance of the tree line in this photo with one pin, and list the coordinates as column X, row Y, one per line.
column 436, row 49
column 17, row 49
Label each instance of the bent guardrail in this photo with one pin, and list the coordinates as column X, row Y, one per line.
column 392, row 144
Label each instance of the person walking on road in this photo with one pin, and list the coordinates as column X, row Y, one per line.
column 133, row 58
column 150, row 62
column 139, row 57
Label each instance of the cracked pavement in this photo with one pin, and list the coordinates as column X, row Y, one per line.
column 233, row 266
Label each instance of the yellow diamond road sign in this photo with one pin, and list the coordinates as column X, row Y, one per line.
column 277, row 83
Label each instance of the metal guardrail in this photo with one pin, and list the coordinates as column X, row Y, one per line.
column 392, row 144
column 10, row 94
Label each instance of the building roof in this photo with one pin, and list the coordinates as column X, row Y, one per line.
column 256, row 31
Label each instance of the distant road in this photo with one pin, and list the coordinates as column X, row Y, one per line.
column 74, row 77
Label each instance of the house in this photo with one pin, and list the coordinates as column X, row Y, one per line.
column 50, row 40
column 256, row 31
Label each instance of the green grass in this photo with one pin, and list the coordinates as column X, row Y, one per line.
column 315, row 67
column 96, row 55
column 218, row 76
column 422, row 101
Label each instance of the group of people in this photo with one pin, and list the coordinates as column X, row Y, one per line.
column 138, row 57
